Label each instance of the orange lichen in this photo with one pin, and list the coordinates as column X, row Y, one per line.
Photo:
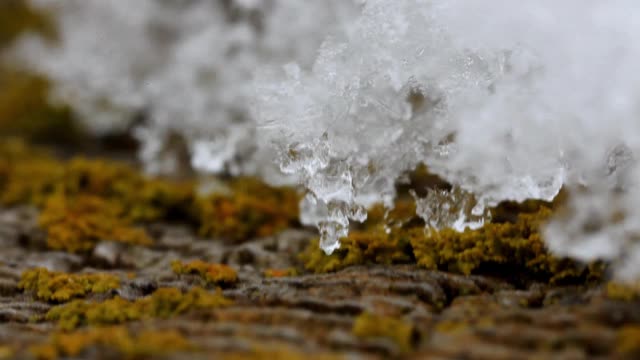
column 163, row 303
column 78, row 224
column 218, row 274
column 278, row 273
column 55, row 286
column 402, row 333
column 128, row 345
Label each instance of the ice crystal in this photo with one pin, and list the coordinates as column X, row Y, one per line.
column 453, row 208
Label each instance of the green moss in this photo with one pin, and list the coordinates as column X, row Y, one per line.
column 402, row 333
column 163, row 303
column 128, row 345
column 253, row 209
column 59, row 287
column 212, row 274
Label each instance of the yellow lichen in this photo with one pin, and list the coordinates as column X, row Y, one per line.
column 163, row 303
column 623, row 291
column 402, row 333
column 403, row 212
column 28, row 175
column 168, row 302
column 26, row 112
column 218, row 274
column 465, row 251
column 451, row 326
column 17, row 17
column 253, row 209
column 285, row 353
column 78, row 313
column 369, row 247
column 141, row 198
column 6, row 352
column 88, row 200
column 85, row 201
column 512, row 242
column 24, row 107
column 129, row 345
column 78, row 224
column 59, row 287
column 517, row 246
column 628, row 341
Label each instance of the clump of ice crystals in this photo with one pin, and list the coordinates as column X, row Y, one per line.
column 186, row 65
column 506, row 100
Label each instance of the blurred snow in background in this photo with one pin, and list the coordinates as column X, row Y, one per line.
column 505, row 100
column 187, row 65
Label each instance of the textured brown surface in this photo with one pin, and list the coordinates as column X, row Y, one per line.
column 452, row 316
